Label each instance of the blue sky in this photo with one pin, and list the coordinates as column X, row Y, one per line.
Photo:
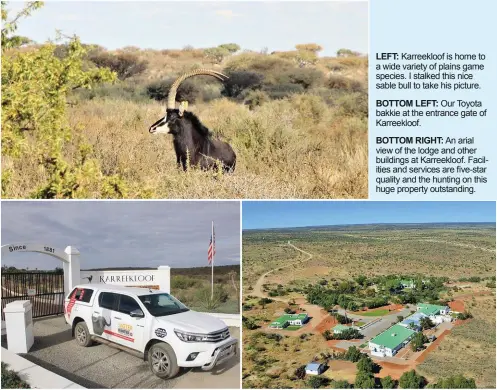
column 172, row 24
column 134, row 233
column 259, row 215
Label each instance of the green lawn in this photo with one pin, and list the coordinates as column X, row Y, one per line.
column 293, row 327
column 375, row 313
column 360, row 323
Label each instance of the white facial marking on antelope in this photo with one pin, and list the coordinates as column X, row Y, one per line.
column 160, row 127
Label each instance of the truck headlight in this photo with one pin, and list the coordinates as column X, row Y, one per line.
column 190, row 337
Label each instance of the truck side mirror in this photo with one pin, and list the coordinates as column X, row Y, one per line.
column 136, row 313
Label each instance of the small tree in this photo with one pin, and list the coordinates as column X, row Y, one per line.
column 365, row 364
column 125, row 64
column 455, row 382
column 426, row 323
column 300, row 372
column 353, row 354
column 310, row 47
column 387, row 382
column 418, row 341
column 464, row 316
column 305, row 58
column 230, row 47
column 241, row 81
column 35, row 85
column 411, row 380
column 347, row 53
column 316, row 381
column 216, row 54
column 364, row 380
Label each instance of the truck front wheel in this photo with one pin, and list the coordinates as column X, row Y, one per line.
column 162, row 361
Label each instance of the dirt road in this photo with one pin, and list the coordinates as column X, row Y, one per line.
column 315, row 312
column 259, row 289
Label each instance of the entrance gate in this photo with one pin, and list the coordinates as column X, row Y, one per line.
column 45, row 290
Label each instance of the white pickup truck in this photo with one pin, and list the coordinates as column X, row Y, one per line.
column 150, row 323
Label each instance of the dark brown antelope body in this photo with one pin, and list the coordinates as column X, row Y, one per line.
column 194, row 144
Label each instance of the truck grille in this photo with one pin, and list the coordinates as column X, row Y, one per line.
column 218, row 336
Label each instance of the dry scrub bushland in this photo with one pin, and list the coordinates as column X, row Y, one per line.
column 297, row 122
column 470, row 348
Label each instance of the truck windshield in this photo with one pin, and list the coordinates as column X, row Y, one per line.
column 162, row 304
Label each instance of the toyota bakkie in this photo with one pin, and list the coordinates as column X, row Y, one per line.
column 149, row 323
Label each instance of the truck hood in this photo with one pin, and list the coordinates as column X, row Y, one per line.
column 192, row 321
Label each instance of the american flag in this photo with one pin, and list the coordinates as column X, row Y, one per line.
column 212, row 247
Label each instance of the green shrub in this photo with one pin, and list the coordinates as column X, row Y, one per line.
column 230, row 47
column 306, row 77
column 188, row 90
column 411, row 380
column 347, row 53
column 364, row 380
column 35, row 86
column 454, row 382
column 241, row 81
column 355, row 104
column 353, row 354
column 249, row 323
column 121, row 91
column 300, row 372
column 256, row 98
column 183, row 282
column 203, row 296
column 281, row 91
column 216, row 54
column 388, row 383
column 344, row 83
column 317, row 381
column 312, row 47
column 126, row 65
column 12, row 380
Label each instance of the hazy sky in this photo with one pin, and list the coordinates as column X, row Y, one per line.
column 134, row 233
column 293, row 214
column 172, row 24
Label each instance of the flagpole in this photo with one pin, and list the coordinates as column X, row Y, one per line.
column 212, row 262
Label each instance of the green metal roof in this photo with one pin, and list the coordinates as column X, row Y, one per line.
column 289, row 317
column 341, row 327
column 393, row 336
column 429, row 309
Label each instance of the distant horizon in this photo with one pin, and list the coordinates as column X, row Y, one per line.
column 376, row 223
column 287, row 214
column 275, row 26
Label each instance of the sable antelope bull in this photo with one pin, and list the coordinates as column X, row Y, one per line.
column 191, row 139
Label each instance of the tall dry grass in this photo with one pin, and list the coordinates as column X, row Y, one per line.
column 311, row 145
column 295, row 148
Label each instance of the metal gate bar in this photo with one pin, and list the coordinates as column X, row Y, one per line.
column 46, row 291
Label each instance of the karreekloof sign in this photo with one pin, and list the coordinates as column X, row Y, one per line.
column 139, row 278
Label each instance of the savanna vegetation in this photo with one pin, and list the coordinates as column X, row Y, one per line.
column 192, row 286
column 368, row 267
column 75, row 120
column 347, row 252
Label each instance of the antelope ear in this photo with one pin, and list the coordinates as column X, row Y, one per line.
column 182, row 107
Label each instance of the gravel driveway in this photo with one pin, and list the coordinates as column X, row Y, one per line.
column 102, row 366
